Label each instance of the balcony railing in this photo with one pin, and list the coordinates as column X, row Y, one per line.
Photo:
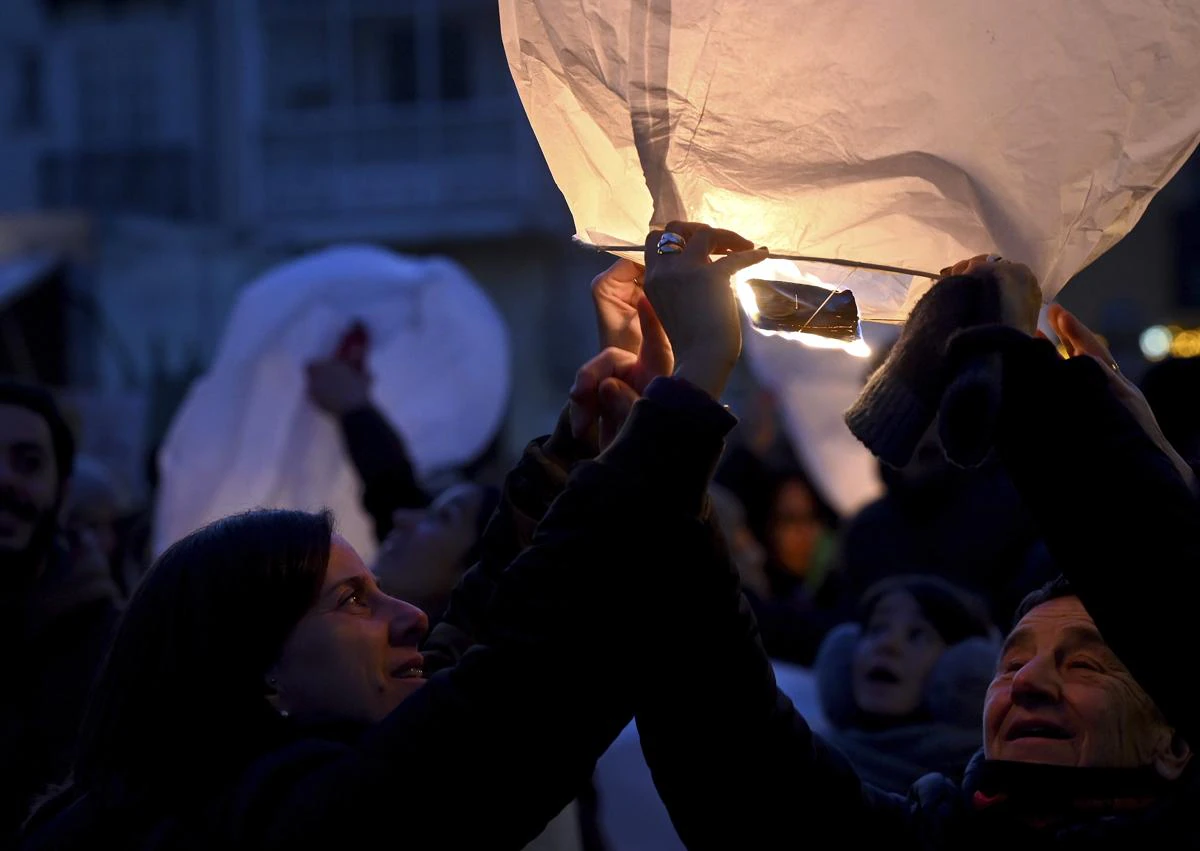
column 426, row 161
column 150, row 181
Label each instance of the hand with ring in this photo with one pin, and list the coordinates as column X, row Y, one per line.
column 671, row 243
column 693, row 299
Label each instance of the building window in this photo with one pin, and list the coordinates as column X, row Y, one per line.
column 122, row 158
column 415, row 105
column 297, row 74
column 27, row 96
column 118, row 96
column 63, row 7
column 386, row 66
column 322, row 59
column 152, row 180
column 455, row 78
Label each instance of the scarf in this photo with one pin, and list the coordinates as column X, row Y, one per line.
column 1054, row 796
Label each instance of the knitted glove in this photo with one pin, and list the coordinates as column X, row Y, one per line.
column 918, row 383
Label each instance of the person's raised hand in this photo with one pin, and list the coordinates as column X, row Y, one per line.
column 616, row 293
column 695, row 302
column 608, row 385
column 1021, row 298
column 337, row 387
column 1081, row 341
column 966, row 267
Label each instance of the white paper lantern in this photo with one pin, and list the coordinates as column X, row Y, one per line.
column 909, row 133
column 247, row 436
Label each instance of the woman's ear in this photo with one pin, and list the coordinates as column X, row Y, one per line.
column 1171, row 760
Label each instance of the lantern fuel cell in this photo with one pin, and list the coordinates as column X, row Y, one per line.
column 787, row 307
column 811, row 306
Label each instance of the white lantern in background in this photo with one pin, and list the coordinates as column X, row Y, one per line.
column 247, row 436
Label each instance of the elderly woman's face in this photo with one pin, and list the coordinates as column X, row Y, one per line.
column 353, row 656
column 893, row 657
column 1061, row 696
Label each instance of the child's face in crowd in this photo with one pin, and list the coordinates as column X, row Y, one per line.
column 894, row 656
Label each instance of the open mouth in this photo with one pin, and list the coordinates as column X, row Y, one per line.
column 411, row 670
column 880, row 674
column 1037, row 730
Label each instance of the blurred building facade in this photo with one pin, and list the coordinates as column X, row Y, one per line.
column 205, row 140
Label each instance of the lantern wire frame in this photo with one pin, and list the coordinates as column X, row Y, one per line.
column 809, row 332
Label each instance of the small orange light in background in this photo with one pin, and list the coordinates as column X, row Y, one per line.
column 1159, row 342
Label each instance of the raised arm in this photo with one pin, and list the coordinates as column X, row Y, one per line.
column 343, row 391
column 529, row 490
column 735, row 764
column 541, row 474
column 496, row 745
column 383, row 464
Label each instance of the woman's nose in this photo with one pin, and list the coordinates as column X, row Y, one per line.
column 408, row 624
column 889, row 642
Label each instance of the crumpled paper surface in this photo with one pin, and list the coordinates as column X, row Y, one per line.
column 247, row 436
column 910, row 133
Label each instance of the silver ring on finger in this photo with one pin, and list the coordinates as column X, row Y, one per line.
column 671, row 243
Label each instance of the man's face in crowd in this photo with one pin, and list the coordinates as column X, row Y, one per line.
column 28, row 478
column 1061, row 697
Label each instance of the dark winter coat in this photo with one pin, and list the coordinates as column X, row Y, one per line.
column 495, row 746
column 737, row 767
column 53, row 637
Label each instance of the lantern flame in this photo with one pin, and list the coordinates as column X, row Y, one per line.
column 786, row 270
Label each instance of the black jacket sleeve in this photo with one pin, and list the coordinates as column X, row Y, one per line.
column 491, row 749
column 383, row 466
column 1118, row 518
column 735, row 764
column 792, row 629
column 529, row 489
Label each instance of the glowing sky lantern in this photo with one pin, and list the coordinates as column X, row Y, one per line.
column 247, row 436
column 902, row 133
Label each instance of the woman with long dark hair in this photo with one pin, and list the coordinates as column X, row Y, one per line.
column 245, row 636
column 263, row 692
